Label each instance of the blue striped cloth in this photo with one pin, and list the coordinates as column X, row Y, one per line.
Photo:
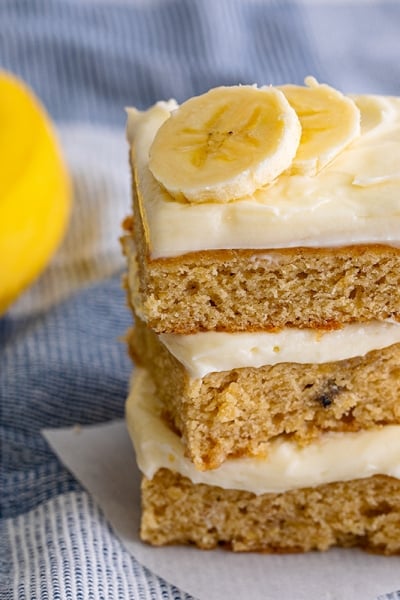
column 61, row 361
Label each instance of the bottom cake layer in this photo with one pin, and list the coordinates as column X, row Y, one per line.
column 362, row 512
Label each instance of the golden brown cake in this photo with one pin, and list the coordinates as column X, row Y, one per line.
column 238, row 412
column 242, row 290
column 263, row 274
column 363, row 512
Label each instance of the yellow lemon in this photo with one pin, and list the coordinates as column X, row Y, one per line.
column 35, row 189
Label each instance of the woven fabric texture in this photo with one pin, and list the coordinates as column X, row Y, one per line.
column 61, row 360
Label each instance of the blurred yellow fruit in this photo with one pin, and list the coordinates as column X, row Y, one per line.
column 35, row 189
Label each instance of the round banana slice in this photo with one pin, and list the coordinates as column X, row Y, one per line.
column 375, row 111
column 329, row 122
column 225, row 144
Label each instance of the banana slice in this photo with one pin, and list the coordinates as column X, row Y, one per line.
column 329, row 122
column 375, row 111
column 225, row 144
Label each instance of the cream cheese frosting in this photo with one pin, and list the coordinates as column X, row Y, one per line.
column 211, row 351
column 353, row 200
column 334, row 457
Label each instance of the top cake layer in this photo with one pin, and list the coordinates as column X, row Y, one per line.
column 353, row 200
column 265, row 261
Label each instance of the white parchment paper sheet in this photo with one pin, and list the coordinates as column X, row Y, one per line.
column 102, row 459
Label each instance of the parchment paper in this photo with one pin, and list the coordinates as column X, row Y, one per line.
column 102, row 459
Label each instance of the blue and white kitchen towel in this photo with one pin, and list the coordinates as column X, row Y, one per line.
column 61, row 362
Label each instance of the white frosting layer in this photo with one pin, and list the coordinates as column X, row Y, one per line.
column 336, row 457
column 353, row 200
column 211, row 351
